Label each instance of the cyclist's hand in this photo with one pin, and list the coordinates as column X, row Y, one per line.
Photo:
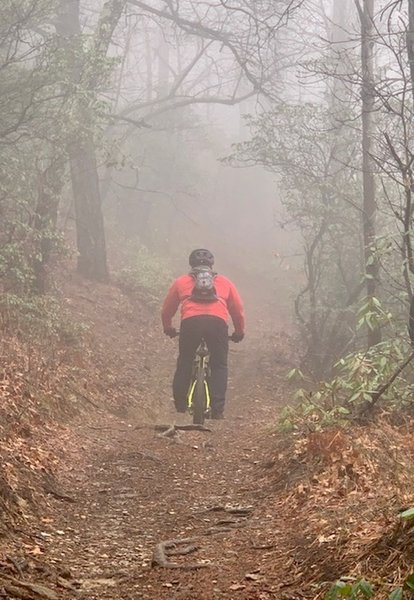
column 237, row 337
column 171, row 332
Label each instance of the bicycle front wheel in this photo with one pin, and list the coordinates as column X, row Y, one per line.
column 199, row 401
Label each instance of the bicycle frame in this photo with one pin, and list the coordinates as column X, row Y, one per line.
column 200, row 370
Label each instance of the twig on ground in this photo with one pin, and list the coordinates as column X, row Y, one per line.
column 19, row 565
column 67, row 585
column 58, row 495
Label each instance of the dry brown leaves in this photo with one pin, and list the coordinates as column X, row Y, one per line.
column 341, row 491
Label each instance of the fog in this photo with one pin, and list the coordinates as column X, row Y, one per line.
column 189, row 100
column 278, row 134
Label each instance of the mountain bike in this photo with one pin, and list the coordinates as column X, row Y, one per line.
column 198, row 397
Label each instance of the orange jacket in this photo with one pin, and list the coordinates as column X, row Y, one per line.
column 228, row 304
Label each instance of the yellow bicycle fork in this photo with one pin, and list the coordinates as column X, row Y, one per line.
column 191, row 393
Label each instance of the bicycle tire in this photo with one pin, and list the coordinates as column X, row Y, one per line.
column 199, row 401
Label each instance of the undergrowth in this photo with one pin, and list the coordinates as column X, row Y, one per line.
column 39, row 319
column 356, row 379
column 146, row 275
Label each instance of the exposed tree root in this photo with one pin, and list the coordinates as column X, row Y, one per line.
column 25, row 589
column 172, row 548
column 227, row 523
column 49, row 486
column 168, row 433
column 232, row 510
column 191, row 427
column 262, row 546
column 217, row 529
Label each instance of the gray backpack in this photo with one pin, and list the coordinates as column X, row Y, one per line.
column 204, row 289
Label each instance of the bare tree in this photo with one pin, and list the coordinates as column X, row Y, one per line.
column 366, row 15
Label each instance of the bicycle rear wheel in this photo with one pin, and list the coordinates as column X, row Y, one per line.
column 199, row 401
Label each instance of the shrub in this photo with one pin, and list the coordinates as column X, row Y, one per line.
column 147, row 275
column 356, row 378
column 38, row 319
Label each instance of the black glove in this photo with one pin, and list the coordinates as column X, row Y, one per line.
column 237, row 337
column 171, row 332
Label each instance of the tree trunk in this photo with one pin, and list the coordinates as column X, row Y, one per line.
column 45, row 220
column 410, row 41
column 90, row 232
column 410, row 54
column 369, row 204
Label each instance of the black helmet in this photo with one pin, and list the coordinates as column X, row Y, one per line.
column 201, row 257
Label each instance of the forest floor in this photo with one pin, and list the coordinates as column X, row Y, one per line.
column 258, row 515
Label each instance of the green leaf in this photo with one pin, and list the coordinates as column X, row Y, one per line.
column 407, row 514
column 409, row 582
column 360, row 323
column 366, row 588
column 340, row 589
column 396, row 594
column 332, row 594
column 295, row 374
column 355, row 396
column 300, row 394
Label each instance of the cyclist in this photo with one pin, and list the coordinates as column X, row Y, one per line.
column 203, row 315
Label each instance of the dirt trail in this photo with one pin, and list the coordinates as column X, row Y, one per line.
column 121, row 488
column 134, row 489
column 266, row 515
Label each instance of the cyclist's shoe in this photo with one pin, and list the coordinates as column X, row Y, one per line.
column 217, row 415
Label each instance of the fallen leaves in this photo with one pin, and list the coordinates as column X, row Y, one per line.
column 35, row 551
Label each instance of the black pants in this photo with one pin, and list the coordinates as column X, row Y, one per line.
column 215, row 332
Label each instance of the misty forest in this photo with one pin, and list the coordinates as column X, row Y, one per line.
column 279, row 136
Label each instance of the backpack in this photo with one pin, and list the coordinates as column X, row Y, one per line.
column 203, row 290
